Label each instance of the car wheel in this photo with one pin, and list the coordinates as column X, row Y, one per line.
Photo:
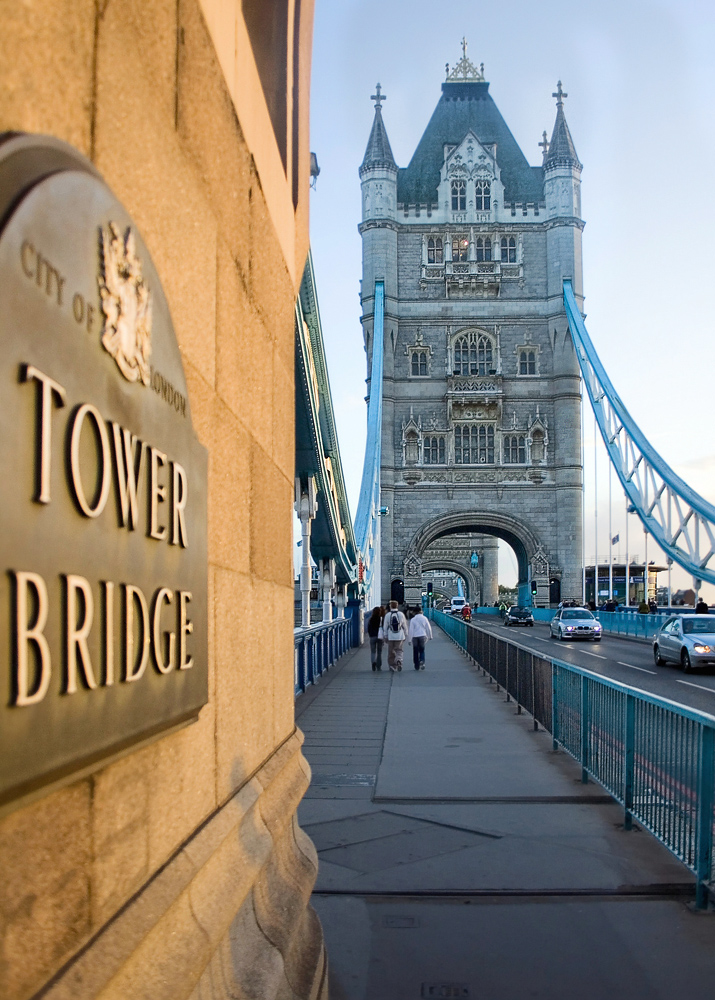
column 659, row 661
column 685, row 661
column 531, row 624
column 561, row 637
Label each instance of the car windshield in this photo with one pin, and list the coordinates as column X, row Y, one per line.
column 520, row 611
column 699, row 625
column 573, row 615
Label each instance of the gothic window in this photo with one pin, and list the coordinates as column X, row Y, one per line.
column 473, row 355
column 483, row 195
column 527, row 362
column 508, row 250
column 484, row 249
column 514, row 450
column 434, row 251
column 474, row 444
column 419, row 362
column 460, row 248
column 433, row 451
column 459, row 196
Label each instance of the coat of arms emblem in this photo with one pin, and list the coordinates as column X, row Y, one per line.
column 126, row 304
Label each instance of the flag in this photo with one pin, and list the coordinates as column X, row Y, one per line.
column 615, row 539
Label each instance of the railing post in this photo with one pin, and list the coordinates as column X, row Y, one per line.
column 533, row 694
column 585, row 726
column 629, row 743
column 704, row 849
column 554, row 706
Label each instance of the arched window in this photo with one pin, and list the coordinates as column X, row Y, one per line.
column 433, row 451
column 459, row 196
column 419, row 362
column 508, row 250
column 484, row 248
column 537, row 446
column 473, row 355
column 474, row 445
column 483, row 196
column 527, row 363
column 434, row 250
column 460, row 248
column 514, row 450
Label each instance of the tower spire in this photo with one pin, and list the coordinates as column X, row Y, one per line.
column 378, row 152
column 561, row 150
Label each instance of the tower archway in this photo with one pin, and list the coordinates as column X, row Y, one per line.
column 533, row 563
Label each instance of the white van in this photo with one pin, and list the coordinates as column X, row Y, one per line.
column 457, row 605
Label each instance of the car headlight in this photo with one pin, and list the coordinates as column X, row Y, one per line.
column 702, row 649
column 569, row 628
column 597, row 627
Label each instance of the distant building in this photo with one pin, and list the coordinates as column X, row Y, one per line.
column 481, row 414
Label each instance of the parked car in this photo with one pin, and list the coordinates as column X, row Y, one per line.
column 456, row 605
column 519, row 616
column 575, row 623
column 688, row 640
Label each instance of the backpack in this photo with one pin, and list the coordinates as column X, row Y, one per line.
column 394, row 622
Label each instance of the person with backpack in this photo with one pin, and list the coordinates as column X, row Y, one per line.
column 394, row 628
column 418, row 633
column 374, row 631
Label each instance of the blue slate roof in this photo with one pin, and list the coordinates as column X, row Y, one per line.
column 378, row 152
column 466, row 106
column 562, row 151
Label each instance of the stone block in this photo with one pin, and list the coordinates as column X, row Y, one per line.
column 283, row 415
column 138, row 151
column 245, row 353
column 120, row 832
column 244, row 680
column 46, row 851
column 271, row 520
column 46, row 58
column 229, row 491
column 272, row 291
column 210, row 132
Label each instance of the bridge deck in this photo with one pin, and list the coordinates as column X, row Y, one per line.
column 461, row 857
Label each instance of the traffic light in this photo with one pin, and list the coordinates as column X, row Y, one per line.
column 429, row 588
column 534, row 587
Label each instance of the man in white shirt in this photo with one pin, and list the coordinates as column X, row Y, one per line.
column 394, row 629
column 418, row 633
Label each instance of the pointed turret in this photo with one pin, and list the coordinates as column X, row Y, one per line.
column 561, row 150
column 378, row 153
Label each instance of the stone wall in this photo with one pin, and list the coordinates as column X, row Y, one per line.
column 180, row 870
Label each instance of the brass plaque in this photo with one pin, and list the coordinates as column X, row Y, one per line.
column 103, row 483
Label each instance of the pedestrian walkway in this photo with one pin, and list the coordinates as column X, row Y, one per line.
column 460, row 857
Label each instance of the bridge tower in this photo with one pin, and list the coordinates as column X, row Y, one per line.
column 481, row 406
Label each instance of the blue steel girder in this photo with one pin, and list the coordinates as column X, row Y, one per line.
column 367, row 520
column 678, row 518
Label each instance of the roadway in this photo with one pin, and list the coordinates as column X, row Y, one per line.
column 629, row 661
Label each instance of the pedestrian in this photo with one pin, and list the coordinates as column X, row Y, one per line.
column 418, row 633
column 374, row 630
column 701, row 607
column 394, row 628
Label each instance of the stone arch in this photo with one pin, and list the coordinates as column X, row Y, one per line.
column 471, row 584
column 523, row 540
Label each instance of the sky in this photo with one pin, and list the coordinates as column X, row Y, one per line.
column 640, row 109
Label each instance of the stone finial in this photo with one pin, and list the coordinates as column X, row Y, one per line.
column 560, row 95
column 465, row 71
column 378, row 97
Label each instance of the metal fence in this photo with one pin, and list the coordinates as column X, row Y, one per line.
column 654, row 757
column 317, row 648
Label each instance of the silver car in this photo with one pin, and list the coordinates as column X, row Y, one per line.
column 688, row 640
column 575, row 623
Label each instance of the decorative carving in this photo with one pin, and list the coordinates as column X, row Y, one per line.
column 539, row 563
column 126, row 305
column 413, row 566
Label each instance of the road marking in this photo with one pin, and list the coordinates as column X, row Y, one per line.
column 634, row 667
column 599, row 655
column 700, row 686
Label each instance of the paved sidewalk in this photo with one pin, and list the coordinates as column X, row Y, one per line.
column 461, row 857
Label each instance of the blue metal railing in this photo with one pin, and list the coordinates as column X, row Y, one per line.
column 653, row 756
column 317, row 648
